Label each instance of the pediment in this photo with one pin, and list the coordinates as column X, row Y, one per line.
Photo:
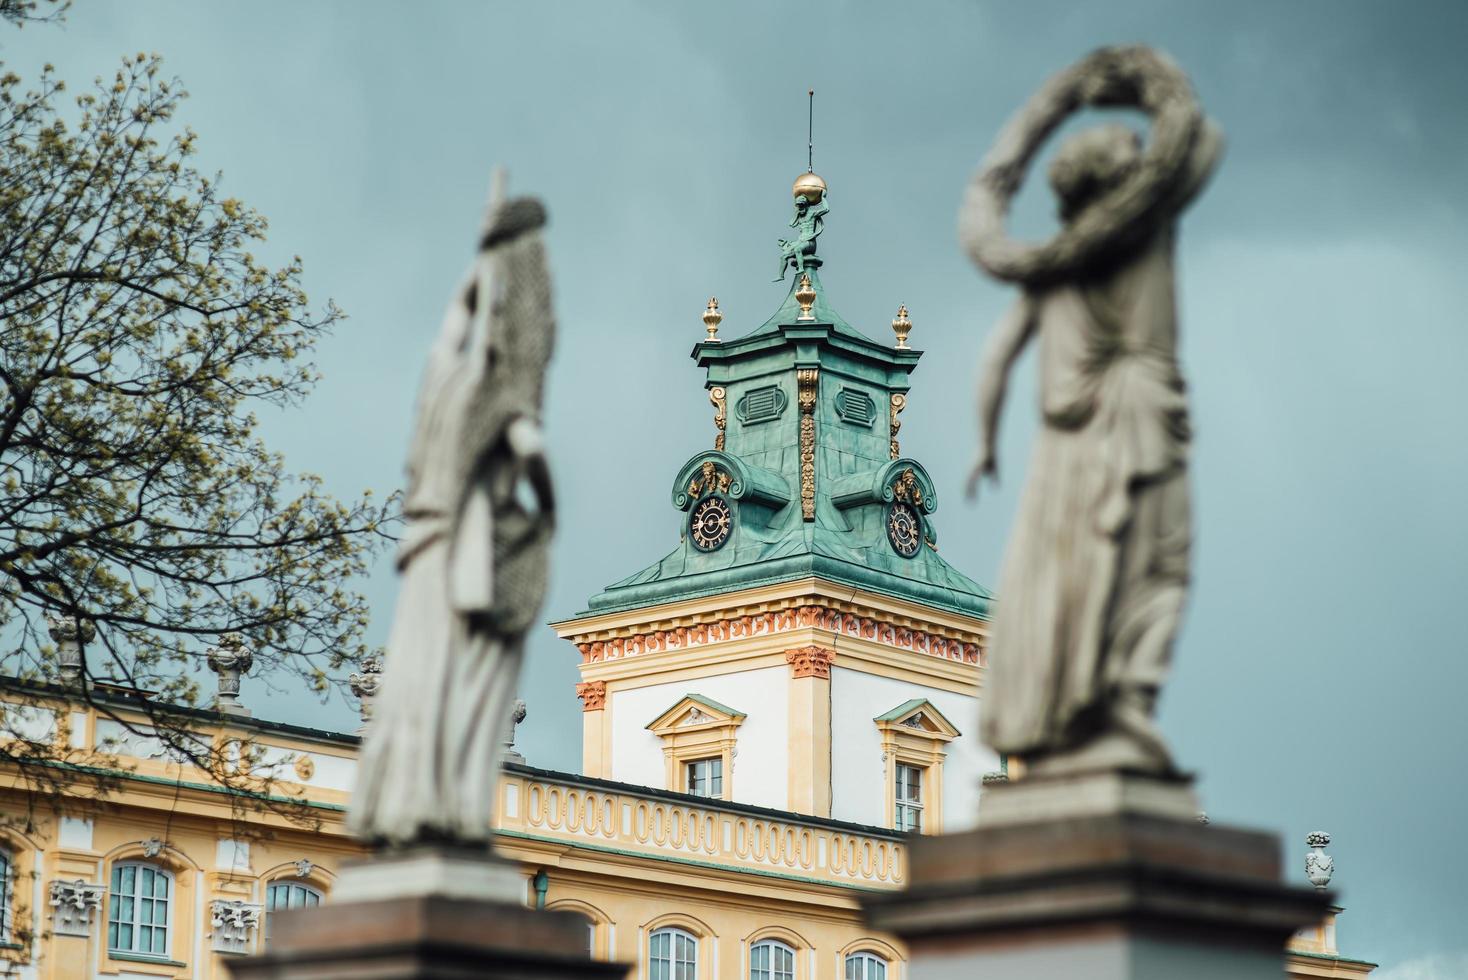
column 694, row 712
column 919, row 717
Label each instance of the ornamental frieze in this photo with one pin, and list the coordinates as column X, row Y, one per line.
column 902, row 637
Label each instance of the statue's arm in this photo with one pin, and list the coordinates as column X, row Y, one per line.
column 1000, row 352
column 527, row 442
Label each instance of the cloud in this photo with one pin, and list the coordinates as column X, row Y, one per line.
column 1441, row 966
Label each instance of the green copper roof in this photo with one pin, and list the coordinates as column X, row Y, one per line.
column 839, row 531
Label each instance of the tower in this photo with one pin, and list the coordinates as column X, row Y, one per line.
column 804, row 647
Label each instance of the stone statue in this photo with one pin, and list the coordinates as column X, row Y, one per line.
column 809, row 221
column 473, row 557
column 1097, row 570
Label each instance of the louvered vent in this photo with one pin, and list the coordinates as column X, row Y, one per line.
column 855, row 406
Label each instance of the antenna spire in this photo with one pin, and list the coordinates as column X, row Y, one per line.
column 810, row 123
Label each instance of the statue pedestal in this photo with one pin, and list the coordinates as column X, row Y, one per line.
column 1106, row 876
column 421, row 935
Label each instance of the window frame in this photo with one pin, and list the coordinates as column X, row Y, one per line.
column 674, row 934
column 865, row 957
column 7, row 895
column 916, row 734
column 114, row 896
column 696, row 728
column 266, row 910
column 911, row 805
column 774, row 945
column 712, row 762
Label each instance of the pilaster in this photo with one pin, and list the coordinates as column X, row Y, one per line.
column 810, row 730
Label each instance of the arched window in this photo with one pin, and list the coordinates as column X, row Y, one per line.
column 282, row 895
column 672, row 954
column 865, row 966
column 5, row 887
column 138, row 910
column 771, row 959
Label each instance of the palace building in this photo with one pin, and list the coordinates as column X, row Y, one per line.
column 768, row 711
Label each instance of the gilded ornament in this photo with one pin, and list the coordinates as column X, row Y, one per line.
column 899, row 402
column 805, row 296
column 711, row 320
column 806, row 379
column 907, row 488
column 721, row 413
column 902, row 326
column 305, row 768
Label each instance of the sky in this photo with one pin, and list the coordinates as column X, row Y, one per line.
column 1320, row 677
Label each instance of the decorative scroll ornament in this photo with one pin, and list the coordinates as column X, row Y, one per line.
column 721, row 415
column 899, row 402
column 72, row 904
column 234, row 925
column 806, row 380
column 810, row 661
column 1319, row 866
column 593, row 695
column 711, row 320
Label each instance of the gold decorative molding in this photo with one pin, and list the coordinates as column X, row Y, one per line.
column 710, row 478
column 961, row 647
column 810, row 661
column 907, row 489
column 593, row 695
column 899, row 402
column 721, row 415
column 806, row 380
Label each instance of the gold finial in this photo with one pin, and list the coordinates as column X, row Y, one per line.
column 902, row 326
column 805, row 296
column 711, row 320
column 809, row 186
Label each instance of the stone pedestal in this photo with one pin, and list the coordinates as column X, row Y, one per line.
column 1105, row 876
column 429, row 935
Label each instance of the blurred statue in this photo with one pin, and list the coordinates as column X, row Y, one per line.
column 473, row 558
column 1097, row 569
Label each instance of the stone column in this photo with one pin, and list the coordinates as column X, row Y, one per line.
column 230, row 660
column 595, row 740
column 1103, row 875
column 809, row 785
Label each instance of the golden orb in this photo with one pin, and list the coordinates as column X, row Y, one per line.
column 810, row 186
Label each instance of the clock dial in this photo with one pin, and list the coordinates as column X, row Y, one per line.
column 710, row 524
column 904, row 530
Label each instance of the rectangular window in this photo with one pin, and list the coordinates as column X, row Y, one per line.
column 137, row 919
column 909, row 792
column 706, row 778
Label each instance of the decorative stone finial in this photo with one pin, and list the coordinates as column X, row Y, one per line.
column 230, row 660
column 902, row 326
column 366, row 685
column 711, row 320
column 806, row 297
column 1319, row 866
column 69, row 635
column 517, row 715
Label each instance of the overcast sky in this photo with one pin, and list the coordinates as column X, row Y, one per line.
column 1321, row 675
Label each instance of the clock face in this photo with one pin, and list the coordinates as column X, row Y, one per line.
column 904, row 530
column 710, row 523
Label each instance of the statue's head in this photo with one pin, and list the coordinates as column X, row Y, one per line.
column 1090, row 164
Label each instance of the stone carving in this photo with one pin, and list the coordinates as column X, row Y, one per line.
column 1097, row 569
column 593, row 695
column 964, row 648
column 806, row 380
column 233, row 925
column 230, row 660
column 809, row 221
column 1319, row 866
column 153, row 846
column 517, row 715
column 810, row 661
column 474, row 552
column 367, row 685
column 721, row 415
column 69, row 635
column 304, row 867
column 305, row 768
column 72, row 904
column 899, row 402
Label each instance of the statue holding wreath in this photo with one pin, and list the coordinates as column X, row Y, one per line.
column 1097, row 570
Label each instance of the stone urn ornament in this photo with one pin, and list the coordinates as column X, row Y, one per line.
column 1319, row 866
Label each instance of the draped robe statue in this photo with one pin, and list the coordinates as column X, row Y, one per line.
column 473, row 558
column 1097, row 569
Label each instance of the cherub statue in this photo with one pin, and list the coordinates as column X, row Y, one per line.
column 808, row 222
column 473, row 558
column 1097, row 570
